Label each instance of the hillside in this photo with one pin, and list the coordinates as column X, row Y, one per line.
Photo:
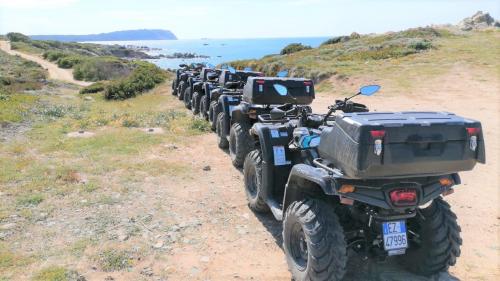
column 124, row 35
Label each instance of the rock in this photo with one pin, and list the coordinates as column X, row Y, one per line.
column 159, row 244
column 7, row 226
column 355, row 35
column 207, row 168
column 123, row 237
column 87, row 98
column 147, row 271
column 479, row 20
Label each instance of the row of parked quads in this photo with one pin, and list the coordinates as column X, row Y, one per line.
column 350, row 179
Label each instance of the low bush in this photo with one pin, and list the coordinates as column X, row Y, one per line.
column 94, row 88
column 54, row 55
column 69, row 61
column 293, row 48
column 336, row 40
column 144, row 77
column 101, row 68
column 17, row 37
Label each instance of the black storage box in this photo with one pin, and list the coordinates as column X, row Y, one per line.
column 260, row 90
column 412, row 144
column 227, row 76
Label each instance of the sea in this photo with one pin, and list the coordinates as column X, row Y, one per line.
column 218, row 50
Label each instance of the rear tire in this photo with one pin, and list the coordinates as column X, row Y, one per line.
column 240, row 143
column 252, row 174
column 181, row 89
column 222, row 141
column 313, row 241
column 195, row 103
column 187, row 98
column 213, row 112
column 440, row 240
column 203, row 107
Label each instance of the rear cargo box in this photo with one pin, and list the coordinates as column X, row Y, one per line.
column 413, row 143
column 227, row 76
column 260, row 90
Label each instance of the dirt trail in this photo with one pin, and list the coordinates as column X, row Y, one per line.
column 55, row 72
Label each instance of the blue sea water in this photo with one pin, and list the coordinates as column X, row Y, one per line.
column 219, row 50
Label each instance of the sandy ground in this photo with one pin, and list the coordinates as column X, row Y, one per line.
column 55, row 72
column 199, row 227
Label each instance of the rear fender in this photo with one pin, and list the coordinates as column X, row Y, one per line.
column 305, row 180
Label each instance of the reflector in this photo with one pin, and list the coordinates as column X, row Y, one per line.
column 403, row 197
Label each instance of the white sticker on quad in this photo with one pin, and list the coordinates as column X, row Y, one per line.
column 275, row 134
column 280, row 156
column 261, row 88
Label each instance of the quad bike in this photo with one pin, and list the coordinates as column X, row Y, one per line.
column 184, row 68
column 259, row 97
column 371, row 182
column 185, row 79
column 209, row 81
column 231, row 83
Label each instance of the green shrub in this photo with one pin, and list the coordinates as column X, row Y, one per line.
column 94, row 88
column 293, row 48
column 100, row 68
column 69, row 61
column 336, row 40
column 54, row 55
column 143, row 78
column 17, row 37
column 57, row 273
column 421, row 45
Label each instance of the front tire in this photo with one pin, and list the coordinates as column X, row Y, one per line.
column 174, row 88
column 213, row 112
column 221, row 132
column 240, row 143
column 187, row 98
column 203, row 107
column 313, row 241
column 195, row 103
column 252, row 174
column 181, row 89
column 438, row 245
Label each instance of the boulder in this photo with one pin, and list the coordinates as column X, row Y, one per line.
column 479, row 20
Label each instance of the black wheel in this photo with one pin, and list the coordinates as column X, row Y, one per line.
column 203, row 107
column 252, row 174
column 213, row 112
column 187, row 98
column 181, row 89
column 220, row 130
column 313, row 241
column 436, row 245
column 174, row 87
column 240, row 143
column 195, row 103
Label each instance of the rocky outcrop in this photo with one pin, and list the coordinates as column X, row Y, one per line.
column 479, row 20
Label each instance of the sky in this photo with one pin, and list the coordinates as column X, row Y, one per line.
column 192, row 19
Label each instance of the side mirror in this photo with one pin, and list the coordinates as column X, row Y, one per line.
column 282, row 90
column 283, row 73
column 369, row 90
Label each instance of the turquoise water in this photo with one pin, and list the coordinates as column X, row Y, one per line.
column 219, row 50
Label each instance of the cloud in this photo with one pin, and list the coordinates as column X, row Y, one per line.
column 35, row 4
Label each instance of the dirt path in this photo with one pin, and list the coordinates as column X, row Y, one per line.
column 55, row 72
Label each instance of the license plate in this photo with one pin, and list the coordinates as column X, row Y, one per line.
column 394, row 235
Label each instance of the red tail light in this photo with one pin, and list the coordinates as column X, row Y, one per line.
column 378, row 134
column 403, row 197
column 308, row 83
column 473, row 131
column 260, row 81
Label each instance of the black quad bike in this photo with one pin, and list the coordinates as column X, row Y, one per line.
column 184, row 68
column 260, row 96
column 231, row 83
column 372, row 182
column 184, row 81
column 208, row 82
